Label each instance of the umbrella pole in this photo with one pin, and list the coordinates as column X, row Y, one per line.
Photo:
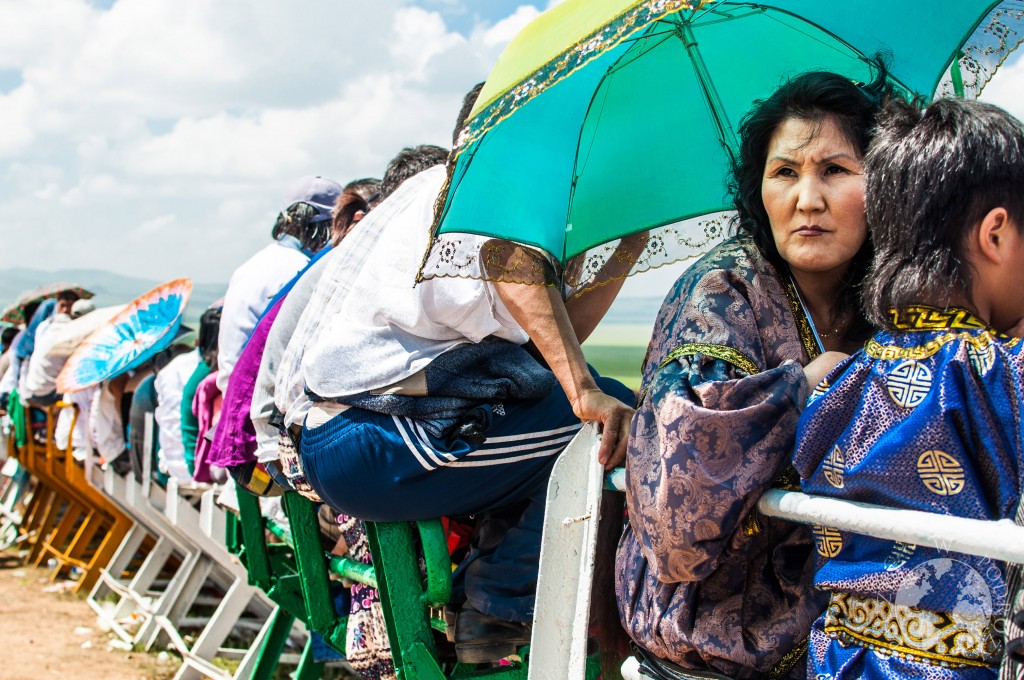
column 726, row 135
column 956, row 75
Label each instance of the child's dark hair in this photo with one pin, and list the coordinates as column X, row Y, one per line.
column 817, row 97
column 408, row 162
column 932, row 176
column 209, row 331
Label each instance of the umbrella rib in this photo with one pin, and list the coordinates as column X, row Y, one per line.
column 725, row 16
column 769, row 14
column 622, row 62
column 577, row 168
column 726, row 135
column 648, row 35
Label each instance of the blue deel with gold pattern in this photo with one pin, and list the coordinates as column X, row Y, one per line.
column 926, row 418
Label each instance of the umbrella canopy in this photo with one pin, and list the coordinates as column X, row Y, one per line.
column 64, row 341
column 15, row 313
column 12, row 315
column 145, row 327
column 605, row 118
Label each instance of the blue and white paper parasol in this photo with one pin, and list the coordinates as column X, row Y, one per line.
column 148, row 325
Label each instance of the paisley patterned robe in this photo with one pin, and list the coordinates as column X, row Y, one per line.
column 702, row 580
column 926, row 418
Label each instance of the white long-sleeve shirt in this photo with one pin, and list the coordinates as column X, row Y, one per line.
column 81, row 437
column 43, row 368
column 169, row 385
column 376, row 325
column 106, row 429
column 249, row 292
column 287, row 321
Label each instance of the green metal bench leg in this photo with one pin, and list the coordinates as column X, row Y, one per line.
column 316, row 583
column 254, row 527
column 233, row 533
column 308, row 668
column 273, row 646
column 401, row 597
column 406, row 600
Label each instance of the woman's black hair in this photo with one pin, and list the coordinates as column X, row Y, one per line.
column 817, row 97
column 932, row 176
column 209, row 330
column 7, row 336
column 358, row 196
column 468, row 102
column 29, row 310
column 306, row 223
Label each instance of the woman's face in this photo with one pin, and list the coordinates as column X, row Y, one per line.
column 813, row 192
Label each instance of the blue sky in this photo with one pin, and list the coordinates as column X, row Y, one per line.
column 463, row 16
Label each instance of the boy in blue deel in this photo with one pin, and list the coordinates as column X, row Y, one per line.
column 928, row 415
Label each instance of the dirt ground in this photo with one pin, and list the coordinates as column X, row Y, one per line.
column 55, row 634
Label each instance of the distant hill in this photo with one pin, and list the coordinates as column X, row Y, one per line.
column 110, row 288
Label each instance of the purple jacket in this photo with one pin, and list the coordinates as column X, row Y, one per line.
column 235, row 440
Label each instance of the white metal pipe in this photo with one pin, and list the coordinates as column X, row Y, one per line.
column 999, row 540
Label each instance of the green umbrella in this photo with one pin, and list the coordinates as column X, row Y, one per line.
column 605, row 118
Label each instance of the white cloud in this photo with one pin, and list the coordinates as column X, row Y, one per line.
column 157, row 137
column 1005, row 88
column 503, row 31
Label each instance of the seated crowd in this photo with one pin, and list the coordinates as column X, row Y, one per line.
column 857, row 337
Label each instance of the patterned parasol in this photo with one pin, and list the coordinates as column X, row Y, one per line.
column 15, row 313
column 142, row 329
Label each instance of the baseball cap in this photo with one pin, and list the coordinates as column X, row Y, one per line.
column 319, row 192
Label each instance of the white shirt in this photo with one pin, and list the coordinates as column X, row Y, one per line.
column 10, row 380
column 43, row 369
column 249, row 292
column 382, row 327
column 80, row 435
column 106, row 428
column 169, row 384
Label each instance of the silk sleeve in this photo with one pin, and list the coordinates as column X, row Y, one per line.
column 708, row 440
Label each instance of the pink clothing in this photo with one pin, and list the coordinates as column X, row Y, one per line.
column 206, row 407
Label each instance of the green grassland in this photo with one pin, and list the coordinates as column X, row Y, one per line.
column 617, row 351
column 621, row 362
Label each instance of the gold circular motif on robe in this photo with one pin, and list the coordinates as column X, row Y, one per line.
column 827, row 541
column 909, row 383
column 940, row 473
column 833, row 468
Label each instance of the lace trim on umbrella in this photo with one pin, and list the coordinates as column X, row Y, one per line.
column 456, row 255
column 991, row 44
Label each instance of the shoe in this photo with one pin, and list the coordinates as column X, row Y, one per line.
column 480, row 638
column 451, row 616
